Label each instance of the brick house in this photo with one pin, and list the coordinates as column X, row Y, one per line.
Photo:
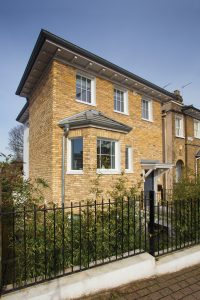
column 181, row 132
column 85, row 116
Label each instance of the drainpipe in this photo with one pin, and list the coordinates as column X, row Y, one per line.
column 65, row 134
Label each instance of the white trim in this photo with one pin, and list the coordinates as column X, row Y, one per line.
column 198, row 130
column 150, row 109
column 86, row 103
column 117, row 169
column 181, row 129
column 130, row 159
column 26, row 151
column 125, row 97
column 75, row 172
column 69, row 149
column 120, row 112
column 93, row 87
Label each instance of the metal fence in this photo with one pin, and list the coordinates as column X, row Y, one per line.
column 42, row 243
column 174, row 225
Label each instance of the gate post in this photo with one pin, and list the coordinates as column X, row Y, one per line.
column 151, row 223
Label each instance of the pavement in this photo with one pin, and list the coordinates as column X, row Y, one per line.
column 184, row 284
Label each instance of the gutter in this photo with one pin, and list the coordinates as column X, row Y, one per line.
column 45, row 35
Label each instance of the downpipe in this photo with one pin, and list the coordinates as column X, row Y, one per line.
column 65, row 135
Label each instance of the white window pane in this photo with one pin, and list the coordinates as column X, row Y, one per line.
column 78, row 81
column 83, row 89
column 105, row 154
column 78, row 93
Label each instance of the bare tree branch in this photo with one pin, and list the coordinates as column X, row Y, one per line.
column 15, row 141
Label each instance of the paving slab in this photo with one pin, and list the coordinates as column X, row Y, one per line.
column 184, row 284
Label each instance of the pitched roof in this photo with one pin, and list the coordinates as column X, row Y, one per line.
column 191, row 111
column 94, row 118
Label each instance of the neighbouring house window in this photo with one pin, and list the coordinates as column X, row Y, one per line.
column 179, row 126
column 120, row 101
column 147, row 109
column 128, row 159
column 179, row 170
column 107, row 154
column 75, row 154
column 85, row 89
column 197, row 129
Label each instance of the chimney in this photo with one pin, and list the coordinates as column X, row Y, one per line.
column 178, row 95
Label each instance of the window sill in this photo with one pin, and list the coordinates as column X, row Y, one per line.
column 180, row 137
column 86, row 103
column 74, row 172
column 129, row 171
column 122, row 113
column 198, row 138
column 108, row 172
column 147, row 120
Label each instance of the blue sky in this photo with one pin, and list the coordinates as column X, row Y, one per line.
column 158, row 40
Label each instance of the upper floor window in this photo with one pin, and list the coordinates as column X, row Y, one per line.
column 120, row 101
column 107, row 155
column 85, row 89
column 179, row 126
column 75, row 155
column 147, row 110
column 197, row 129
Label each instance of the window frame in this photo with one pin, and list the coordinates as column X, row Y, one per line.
column 181, row 134
column 130, row 159
column 198, row 129
column 125, row 98
column 116, row 170
column 69, row 156
column 93, row 88
column 150, row 109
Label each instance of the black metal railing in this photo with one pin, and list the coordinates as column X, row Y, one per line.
column 43, row 243
column 40, row 244
column 174, row 225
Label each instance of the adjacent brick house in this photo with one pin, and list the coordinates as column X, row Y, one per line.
column 84, row 116
column 181, row 132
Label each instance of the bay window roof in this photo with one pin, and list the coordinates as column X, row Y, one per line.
column 94, row 118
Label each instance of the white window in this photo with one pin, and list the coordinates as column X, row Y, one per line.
column 197, row 129
column 75, row 155
column 147, row 113
column 179, row 126
column 85, row 89
column 120, row 101
column 128, row 159
column 107, row 156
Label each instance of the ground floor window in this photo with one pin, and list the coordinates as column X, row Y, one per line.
column 75, row 154
column 128, row 159
column 107, row 154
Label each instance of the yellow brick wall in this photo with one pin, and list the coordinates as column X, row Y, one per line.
column 54, row 99
column 40, row 130
column 178, row 148
column 145, row 138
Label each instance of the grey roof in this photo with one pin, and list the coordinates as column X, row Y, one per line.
column 94, row 118
column 47, row 36
column 191, row 111
column 149, row 161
